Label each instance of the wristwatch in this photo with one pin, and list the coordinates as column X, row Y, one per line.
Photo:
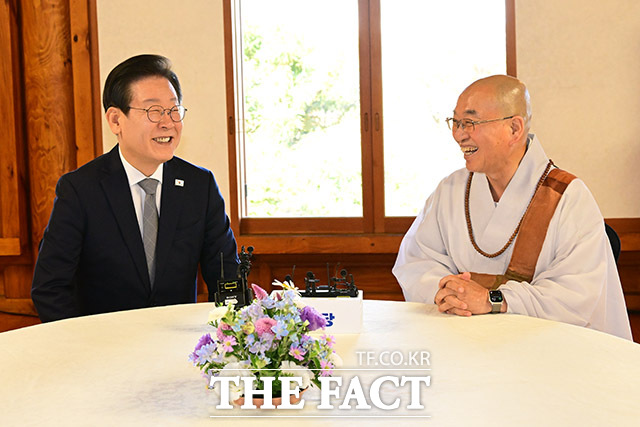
column 495, row 298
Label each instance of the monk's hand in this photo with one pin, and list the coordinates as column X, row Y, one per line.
column 470, row 297
column 448, row 296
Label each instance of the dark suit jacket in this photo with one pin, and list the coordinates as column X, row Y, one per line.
column 92, row 257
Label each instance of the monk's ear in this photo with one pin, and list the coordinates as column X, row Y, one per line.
column 517, row 128
column 114, row 116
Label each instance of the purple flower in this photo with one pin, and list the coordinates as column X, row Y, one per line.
column 253, row 311
column 259, row 292
column 204, row 354
column 262, row 345
column 315, row 319
column 268, row 302
column 204, row 340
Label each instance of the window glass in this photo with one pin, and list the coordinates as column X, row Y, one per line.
column 300, row 78
column 430, row 52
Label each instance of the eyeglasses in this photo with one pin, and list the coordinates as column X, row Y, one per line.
column 155, row 113
column 468, row 123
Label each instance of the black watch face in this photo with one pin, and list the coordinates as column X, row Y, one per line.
column 495, row 296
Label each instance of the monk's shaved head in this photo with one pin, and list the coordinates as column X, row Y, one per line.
column 510, row 95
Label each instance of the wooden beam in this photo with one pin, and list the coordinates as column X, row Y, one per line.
column 22, row 306
column 9, row 246
column 322, row 244
column 510, row 12
column 9, row 123
column 49, row 99
column 83, row 102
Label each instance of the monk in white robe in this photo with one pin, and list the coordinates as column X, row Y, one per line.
column 575, row 279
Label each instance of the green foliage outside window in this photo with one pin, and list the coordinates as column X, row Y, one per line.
column 300, row 108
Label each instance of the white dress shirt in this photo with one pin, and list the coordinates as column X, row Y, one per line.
column 137, row 193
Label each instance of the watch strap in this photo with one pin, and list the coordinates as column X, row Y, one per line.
column 496, row 306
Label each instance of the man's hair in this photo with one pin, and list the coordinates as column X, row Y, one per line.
column 117, row 88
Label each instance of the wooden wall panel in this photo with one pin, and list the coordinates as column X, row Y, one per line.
column 10, row 209
column 9, row 322
column 628, row 230
column 48, row 84
column 84, row 92
column 629, row 269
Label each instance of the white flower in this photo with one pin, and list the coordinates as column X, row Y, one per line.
column 235, row 390
column 230, row 358
column 289, row 286
column 234, row 369
column 218, row 313
column 290, row 369
column 335, row 360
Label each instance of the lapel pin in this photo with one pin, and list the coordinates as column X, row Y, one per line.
column 179, row 183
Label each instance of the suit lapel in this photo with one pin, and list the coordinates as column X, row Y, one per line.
column 170, row 208
column 116, row 187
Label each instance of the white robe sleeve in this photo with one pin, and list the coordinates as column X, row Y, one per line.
column 576, row 279
column 422, row 258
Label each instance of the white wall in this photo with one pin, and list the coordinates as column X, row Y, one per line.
column 580, row 59
column 192, row 37
column 581, row 62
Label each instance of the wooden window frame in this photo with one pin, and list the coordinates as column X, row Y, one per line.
column 357, row 235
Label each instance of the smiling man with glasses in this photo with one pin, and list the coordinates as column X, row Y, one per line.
column 129, row 229
column 510, row 232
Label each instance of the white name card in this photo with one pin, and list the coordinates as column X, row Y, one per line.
column 343, row 314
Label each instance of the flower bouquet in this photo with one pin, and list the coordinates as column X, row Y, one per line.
column 268, row 338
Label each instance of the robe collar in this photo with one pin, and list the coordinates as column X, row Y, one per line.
column 493, row 225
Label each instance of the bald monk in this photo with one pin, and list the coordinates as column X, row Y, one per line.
column 511, row 233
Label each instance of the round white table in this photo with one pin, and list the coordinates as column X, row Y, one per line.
column 131, row 368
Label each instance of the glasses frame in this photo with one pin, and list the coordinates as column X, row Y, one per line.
column 457, row 124
column 163, row 112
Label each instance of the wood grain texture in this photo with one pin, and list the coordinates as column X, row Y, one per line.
column 83, row 94
column 301, row 225
column 366, row 117
column 510, row 12
column 323, row 244
column 9, row 322
column 48, row 91
column 17, row 281
column 376, row 170
column 43, row 109
column 22, row 306
column 9, row 246
column 628, row 230
column 10, row 230
column 233, row 137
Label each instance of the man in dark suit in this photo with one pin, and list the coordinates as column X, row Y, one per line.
column 128, row 229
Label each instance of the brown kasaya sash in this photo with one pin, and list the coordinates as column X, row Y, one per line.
column 533, row 231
